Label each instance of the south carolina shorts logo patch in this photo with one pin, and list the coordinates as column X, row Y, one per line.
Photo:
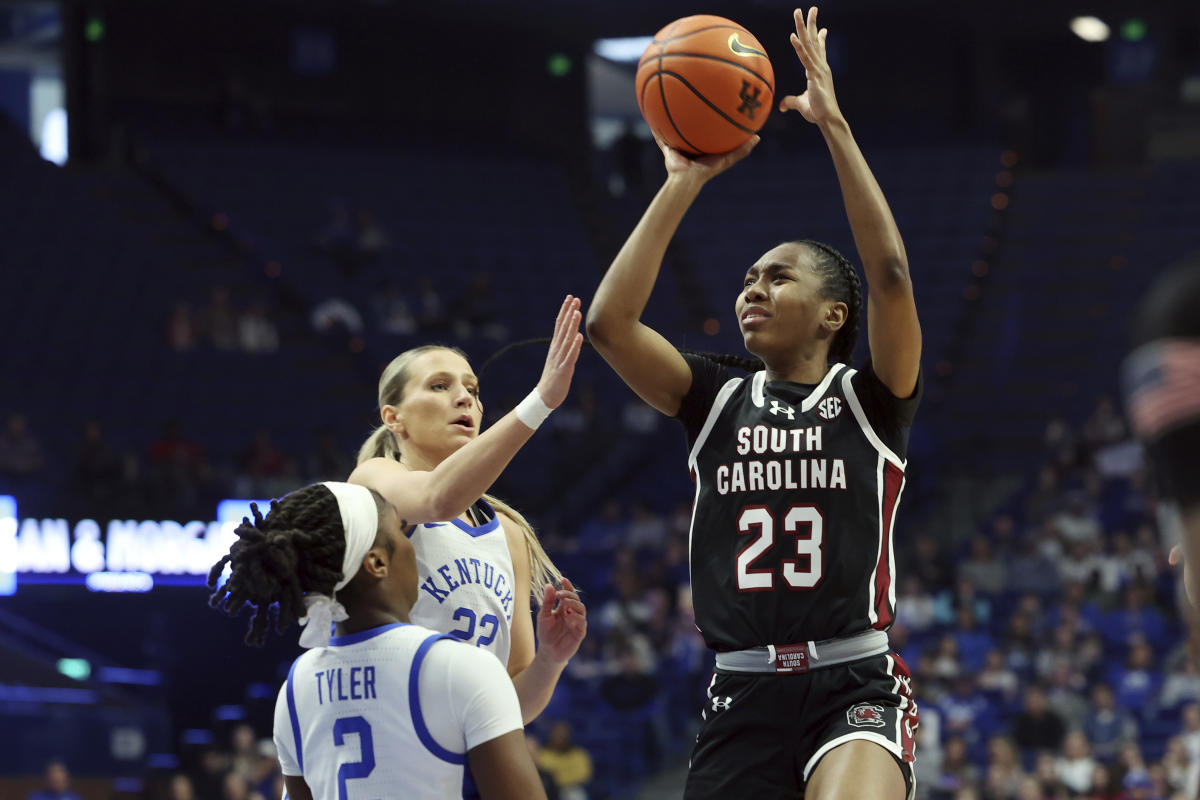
column 865, row 715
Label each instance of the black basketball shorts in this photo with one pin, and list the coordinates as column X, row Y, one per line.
column 763, row 734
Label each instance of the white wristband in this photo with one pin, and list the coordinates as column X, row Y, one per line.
column 532, row 410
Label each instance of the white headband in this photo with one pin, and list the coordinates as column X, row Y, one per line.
column 360, row 521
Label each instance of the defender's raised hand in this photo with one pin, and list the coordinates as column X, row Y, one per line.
column 562, row 355
column 817, row 104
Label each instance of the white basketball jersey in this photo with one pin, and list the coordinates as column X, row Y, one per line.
column 390, row 712
column 465, row 579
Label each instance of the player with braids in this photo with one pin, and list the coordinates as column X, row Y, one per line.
column 479, row 560
column 799, row 469
column 419, row 704
column 290, row 560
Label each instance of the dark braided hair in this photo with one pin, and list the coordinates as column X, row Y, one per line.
column 297, row 548
column 839, row 282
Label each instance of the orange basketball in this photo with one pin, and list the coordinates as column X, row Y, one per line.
column 705, row 85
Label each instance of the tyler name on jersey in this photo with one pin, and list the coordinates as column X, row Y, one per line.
column 359, row 684
column 465, row 572
column 758, row 475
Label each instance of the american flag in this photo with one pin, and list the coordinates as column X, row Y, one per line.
column 1162, row 386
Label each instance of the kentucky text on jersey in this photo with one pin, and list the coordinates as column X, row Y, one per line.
column 465, row 571
column 358, row 685
column 785, row 473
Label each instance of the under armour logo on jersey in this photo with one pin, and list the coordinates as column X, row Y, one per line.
column 721, row 703
column 830, row 407
column 779, row 408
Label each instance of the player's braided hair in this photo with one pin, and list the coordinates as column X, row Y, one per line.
column 839, row 282
column 297, row 548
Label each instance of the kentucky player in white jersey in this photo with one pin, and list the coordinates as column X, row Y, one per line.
column 387, row 708
column 479, row 563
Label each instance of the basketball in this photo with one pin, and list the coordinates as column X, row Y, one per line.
column 705, row 85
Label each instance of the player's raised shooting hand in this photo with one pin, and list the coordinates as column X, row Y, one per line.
column 561, row 622
column 702, row 168
column 817, row 103
column 562, row 355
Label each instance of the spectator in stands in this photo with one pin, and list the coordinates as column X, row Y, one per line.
column 963, row 595
column 181, row 788
column 1031, row 571
column 474, row 313
column 944, row 663
column 337, row 238
column 256, row 332
column 261, row 465
column 915, row 607
column 209, row 779
column 328, row 461
column 1064, row 696
column 96, row 473
column 957, row 771
column 21, row 455
column 997, row 680
column 335, row 315
column 986, row 572
column 1136, row 617
column 965, row 712
column 181, row 331
column 1182, row 774
column 1077, row 521
column 236, row 787
column 1075, row 767
column 178, row 465
column 648, row 529
column 57, row 783
column 1004, row 775
column 973, row 641
column 431, row 311
column 1104, row 426
column 1020, row 648
column 1106, row 726
column 219, row 323
column 1182, row 685
column 567, row 762
column 1045, row 499
column 928, row 562
column 370, row 238
column 243, row 751
column 1037, row 728
column 392, row 311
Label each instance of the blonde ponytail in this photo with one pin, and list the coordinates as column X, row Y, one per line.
column 380, row 444
column 541, row 568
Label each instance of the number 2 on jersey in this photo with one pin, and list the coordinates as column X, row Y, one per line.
column 468, row 634
column 366, row 750
column 796, row 573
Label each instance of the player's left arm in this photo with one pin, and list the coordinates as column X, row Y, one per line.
column 562, row 624
column 295, row 788
column 893, row 330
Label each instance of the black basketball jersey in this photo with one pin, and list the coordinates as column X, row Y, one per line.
column 796, row 493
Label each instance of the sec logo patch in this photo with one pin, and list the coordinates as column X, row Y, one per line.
column 830, row 407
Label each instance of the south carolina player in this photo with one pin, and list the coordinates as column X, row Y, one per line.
column 798, row 471
column 477, row 557
column 1161, row 379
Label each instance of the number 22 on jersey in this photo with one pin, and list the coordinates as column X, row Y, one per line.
column 805, row 523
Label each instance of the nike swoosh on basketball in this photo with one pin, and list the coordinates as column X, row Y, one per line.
column 741, row 49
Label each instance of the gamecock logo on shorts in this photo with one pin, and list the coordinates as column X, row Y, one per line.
column 865, row 715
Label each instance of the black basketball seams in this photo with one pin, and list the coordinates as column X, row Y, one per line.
column 707, row 57
column 671, row 38
column 670, row 119
column 707, row 102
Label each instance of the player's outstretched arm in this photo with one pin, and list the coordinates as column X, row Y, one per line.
column 646, row 361
column 504, row 770
column 450, row 488
column 892, row 326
